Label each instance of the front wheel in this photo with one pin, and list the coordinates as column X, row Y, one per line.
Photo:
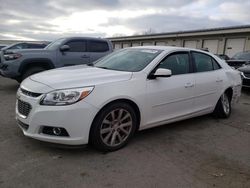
column 113, row 127
column 223, row 106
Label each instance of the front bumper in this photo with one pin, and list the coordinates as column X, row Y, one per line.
column 8, row 71
column 76, row 119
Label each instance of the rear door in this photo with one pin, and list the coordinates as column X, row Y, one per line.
column 208, row 81
column 171, row 97
column 76, row 55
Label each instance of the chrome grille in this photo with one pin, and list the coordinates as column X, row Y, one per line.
column 29, row 93
column 24, row 108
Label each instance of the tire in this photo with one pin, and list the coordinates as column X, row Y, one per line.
column 113, row 127
column 31, row 71
column 223, row 107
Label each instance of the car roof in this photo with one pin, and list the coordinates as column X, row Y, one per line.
column 85, row 38
column 170, row 48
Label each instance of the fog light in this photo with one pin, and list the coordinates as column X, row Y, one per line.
column 54, row 131
column 57, row 131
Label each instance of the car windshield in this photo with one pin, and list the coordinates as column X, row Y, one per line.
column 10, row 46
column 130, row 60
column 242, row 56
column 54, row 45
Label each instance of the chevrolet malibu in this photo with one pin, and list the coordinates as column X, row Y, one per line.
column 128, row 90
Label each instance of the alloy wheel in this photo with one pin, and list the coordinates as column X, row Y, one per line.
column 116, row 127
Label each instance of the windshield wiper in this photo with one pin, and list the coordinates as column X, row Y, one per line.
column 103, row 67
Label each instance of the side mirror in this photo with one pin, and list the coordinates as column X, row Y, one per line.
column 64, row 48
column 161, row 73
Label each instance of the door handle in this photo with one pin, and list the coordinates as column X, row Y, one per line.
column 84, row 56
column 187, row 85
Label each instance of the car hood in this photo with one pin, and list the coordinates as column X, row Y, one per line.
column 245, row 69
column 79, row 76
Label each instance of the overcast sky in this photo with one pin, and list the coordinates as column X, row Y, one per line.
column 51, row 19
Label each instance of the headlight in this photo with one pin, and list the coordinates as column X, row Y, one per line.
column 12, row 56
column 66, row 97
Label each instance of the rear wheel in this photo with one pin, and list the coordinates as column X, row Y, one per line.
column 223, row 106
column 31, row 71
column 113, row 127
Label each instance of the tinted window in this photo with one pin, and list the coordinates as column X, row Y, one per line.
column 77, row 46
column 202, row 62
column 98, row 46
column 177, row 63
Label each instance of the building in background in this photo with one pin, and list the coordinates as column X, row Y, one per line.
column 225, row 40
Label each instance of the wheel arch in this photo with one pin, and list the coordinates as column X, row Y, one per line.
column 229, row 92
column 40, row 62
column 125, row 100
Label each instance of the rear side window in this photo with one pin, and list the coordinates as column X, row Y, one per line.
column 98, row 46
column 204, row 62
column 178, row 63
column 77, row 46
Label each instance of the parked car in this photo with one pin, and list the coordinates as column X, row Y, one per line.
column 129, row 90
column 23, row 45
column 223, row 56
column 245, row 74
column 63, row 52
column 239, row 59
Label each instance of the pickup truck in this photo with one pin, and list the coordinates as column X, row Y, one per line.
column 19, row 64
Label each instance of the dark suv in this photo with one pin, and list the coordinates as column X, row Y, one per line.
column 19, row 64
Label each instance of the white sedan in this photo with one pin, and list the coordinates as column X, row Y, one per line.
column 129, row 90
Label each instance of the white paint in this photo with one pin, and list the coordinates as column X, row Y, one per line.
column 160, row 100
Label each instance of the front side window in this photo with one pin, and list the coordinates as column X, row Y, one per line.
column 130, row 60
column 178, row 63
column 98, row 46
column 77, row 46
